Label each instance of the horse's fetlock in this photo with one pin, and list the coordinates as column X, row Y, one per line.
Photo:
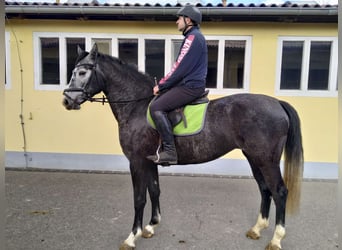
column 129, row 243
column 155, row 220
column 279, row 234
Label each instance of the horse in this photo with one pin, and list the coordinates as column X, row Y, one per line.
column 262, row 127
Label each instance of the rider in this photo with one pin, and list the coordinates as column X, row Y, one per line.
column 183, row 84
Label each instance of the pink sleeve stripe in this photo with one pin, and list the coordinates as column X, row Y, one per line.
column 184, row 50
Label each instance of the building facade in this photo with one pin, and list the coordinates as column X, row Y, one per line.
column 288, row 51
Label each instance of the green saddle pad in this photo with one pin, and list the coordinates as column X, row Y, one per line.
column 195, row 116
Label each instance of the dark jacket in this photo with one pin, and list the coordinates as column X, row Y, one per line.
column 190, row 68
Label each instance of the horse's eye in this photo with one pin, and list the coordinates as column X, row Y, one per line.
column 82, row 73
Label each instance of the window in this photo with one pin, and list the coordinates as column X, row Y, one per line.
column 319, row 64
column 176, row 45
column 291, row 64
column 49, row 60
column 71, row 50
column 307, row 66
column 55, row 55
column 212, row 63
column 104, row 45
column 234, row 61
column 155, row 57
column 128, row 50
column 228, row 63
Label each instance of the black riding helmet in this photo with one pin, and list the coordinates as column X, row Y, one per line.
column 192, row 12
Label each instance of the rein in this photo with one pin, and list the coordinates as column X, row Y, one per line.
column 102, row 99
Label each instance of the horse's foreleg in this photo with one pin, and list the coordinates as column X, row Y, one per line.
column 139, row 189
column 154, row 192
column 129, row 243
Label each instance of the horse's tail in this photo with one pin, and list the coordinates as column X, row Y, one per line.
column 293, row 159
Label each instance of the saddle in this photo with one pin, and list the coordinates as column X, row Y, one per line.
column 176, row 116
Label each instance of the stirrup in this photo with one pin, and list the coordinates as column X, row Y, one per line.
column 156, row 159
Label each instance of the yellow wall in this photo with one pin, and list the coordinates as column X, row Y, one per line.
column 93, row 130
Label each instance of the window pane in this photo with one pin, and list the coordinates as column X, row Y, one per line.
column 104, row 45
column 50, row 60
column 128, row 50
column 234, row 64
column 176, row 45
column 71, row 46
column 154, row 58
column 319, row 65
column 212, row 64
column 291, row 64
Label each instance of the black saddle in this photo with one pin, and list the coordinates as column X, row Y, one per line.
column 176, row 116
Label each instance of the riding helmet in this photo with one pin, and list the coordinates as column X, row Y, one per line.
column 192, row 12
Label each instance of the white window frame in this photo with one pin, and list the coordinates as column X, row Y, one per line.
column 62, row 59
column 220, row 64
column 89, row 39
column 303, row 91
column 8, row 84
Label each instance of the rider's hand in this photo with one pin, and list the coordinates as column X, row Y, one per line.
column 156, row 90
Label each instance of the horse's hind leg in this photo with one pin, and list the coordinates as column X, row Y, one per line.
column 263, row 217
column 270, row 182
column 279, row 194
column 154, row 192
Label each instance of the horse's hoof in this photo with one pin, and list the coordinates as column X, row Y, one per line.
column 124, row 246
column 148, row 232
column 252, row 235
column 271, row 246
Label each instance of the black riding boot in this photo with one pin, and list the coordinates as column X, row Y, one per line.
column 168, row 156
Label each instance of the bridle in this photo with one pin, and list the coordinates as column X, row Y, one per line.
column 88, row 96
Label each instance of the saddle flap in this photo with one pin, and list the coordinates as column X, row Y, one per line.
column 193, row 115
column 176, row 116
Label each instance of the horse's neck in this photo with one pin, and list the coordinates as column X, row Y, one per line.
column 128, row 103
column 126, row 112
column 128, row 93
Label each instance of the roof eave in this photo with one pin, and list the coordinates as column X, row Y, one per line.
column 278, row 14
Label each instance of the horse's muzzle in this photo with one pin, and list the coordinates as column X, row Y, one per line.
column 73, row 98
column 70, row 104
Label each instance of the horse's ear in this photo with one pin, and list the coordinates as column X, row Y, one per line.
column 94, row 51
column 80, row 51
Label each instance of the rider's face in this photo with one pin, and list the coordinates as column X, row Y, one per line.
column 181, row 23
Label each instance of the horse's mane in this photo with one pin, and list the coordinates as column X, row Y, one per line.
column 128, row 71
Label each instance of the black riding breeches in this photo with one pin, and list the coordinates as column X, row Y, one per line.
column 175, row 97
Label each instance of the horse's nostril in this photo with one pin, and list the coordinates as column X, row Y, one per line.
column 65, row 102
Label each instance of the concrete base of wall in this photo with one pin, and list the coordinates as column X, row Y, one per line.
column 119, row 163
